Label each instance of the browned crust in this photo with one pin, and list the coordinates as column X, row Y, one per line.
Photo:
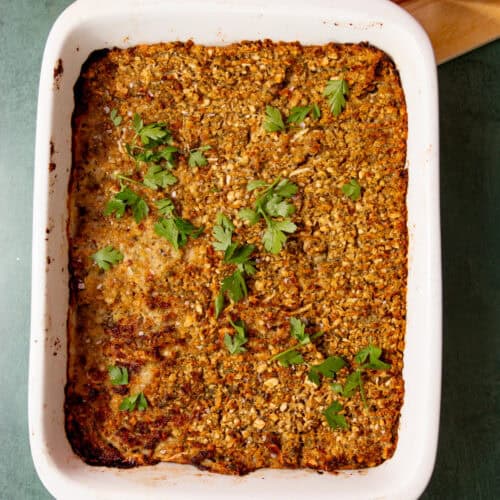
column 344, row 270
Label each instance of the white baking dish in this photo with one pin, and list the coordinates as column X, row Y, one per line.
column 93, row 24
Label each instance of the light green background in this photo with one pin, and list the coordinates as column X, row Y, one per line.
column 468, row 460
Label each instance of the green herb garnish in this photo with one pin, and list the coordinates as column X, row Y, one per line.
column 372, row 353
column 328, row 368
column 176, row 230
column 107, row 257
column 352, row 189
column 292, row 356
column 172, row 227
column 271, row 203
column 197, row 158
column 153, row 145
column 299, row 113
column 273, row 121
column 130, row 403
column 115, row 117
column 368, row 359
column 234, row 253
column 222, row 232
column 335, row 421
column 335, row 92
column 127, row 198
column 118, row 375
column 157, row 176
column 235, row 343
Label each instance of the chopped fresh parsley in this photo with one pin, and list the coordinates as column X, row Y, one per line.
column 299, row 113
column 235, row 343
column 127, row 198
column 336, row 91
column 292, row 356
column 273, row 121
column 165, row 207
column 334, row 419
column 153, row 145
column 272, row 202
column 372, row 353
column 219, row 304
column 235, row 286
column 172, row 227
column 327, row 368
column 197, row 158
column 234, row 253
column 118, row 375
column 368, row 359
column 352, row 189
column 107, row 257
column 316, row 112
column 289, row 358
column 177, row 230
column 157, row 176
column 115, row 117
column 130, row 403
column 297, row 331
column 222, row 232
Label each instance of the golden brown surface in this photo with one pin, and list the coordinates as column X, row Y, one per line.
column 343, row 271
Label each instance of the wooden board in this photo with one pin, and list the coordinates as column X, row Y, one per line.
column 456, row 26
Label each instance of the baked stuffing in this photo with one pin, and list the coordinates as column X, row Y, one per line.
column 342, row 272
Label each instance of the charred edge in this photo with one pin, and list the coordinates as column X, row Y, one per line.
column 52, row 166
column 90, row 452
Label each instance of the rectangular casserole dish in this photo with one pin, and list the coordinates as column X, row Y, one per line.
column 88, row 25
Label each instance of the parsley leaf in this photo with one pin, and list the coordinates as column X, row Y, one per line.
column 335, row 92
column 234, row 344
column 289, row 358
column 297, row 331
column 177, row 230
column 118, row 375
column 130, row 403
column 157, row 176
column 115, row 117
column 219, row 304
column 278, row 207
column 256, row 184
column 153, row 134
column 273, row 121
column 249, row 215
column 235, row 286
column 335, row 421
column 236, row 254
column 298, row 114
column 316, row 112
column 222, row 232
column 272, row 202
column 274, row 236
column 165, row 206
column 352, row 189
column 197, row 158
column 373, row 354
column 107, row 257
column 327, row 368
column 354, row 382
column 127, row 198
column 152, row 145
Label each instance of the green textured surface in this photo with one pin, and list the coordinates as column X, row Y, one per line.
column 469, row 91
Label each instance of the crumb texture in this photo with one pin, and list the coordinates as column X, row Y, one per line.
column 343, row 271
